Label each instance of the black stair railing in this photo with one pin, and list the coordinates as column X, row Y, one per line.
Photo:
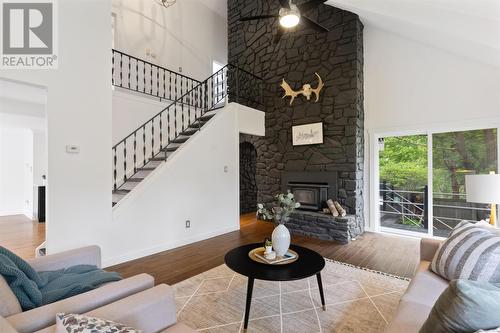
column 164, row 132
column 131, row 73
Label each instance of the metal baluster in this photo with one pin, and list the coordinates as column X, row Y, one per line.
column 144, row 77
column 114, row 168
column 136, row 75
column 207, row 92
column 152, row 138
column 182, row 107
column 161, row 131
column 175, row 118
column 195, row 94
column 175, row 88
column 129, row 72
column 144, row 143
column 224, row 92
column 212, row 81
column 190, row 107
column 217, row 90
column 121, row 74
column 158, row 81
column 168, row 127
column 124, row 161
column 151, row 75
column 135, row 151
column 170, row 85
column 112, row 67
column 164, row 91
column 200, row 94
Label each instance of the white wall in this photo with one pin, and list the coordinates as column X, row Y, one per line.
column 131, row 111
column 79, row 113
column 187, row 34
column 193, row 185
column 414, row 86
column 16, row 171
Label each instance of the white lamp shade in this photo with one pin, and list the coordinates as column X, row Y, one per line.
column 483, row 188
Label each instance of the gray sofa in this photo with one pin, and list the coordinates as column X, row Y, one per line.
column 134, row 301
column 422, row 293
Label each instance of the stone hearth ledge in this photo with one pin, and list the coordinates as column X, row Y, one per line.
column 324, row 226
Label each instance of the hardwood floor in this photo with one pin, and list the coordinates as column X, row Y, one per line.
column 390, row 254
column 21, row 235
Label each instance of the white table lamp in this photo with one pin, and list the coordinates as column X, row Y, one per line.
column 484, row 189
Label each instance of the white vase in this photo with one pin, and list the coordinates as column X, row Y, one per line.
column 281, row 240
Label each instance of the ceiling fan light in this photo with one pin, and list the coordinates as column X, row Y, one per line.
column 289, row 20
column 289, row 17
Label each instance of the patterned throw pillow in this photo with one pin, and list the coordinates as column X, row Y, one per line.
column 471, row 253
column 75, row 323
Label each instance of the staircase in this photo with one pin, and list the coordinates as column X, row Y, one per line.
column 192, row 104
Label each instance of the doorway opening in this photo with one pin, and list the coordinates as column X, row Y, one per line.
column 23, row 167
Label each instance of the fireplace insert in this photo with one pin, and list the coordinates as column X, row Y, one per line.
column 312, row 196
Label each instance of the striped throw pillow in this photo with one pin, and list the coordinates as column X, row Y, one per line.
column 471, row 253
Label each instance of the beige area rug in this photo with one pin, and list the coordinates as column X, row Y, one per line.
column 358, row 300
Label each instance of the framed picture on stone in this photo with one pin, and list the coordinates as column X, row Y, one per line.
column 308, row 134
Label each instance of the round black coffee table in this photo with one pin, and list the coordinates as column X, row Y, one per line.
column 309, row 263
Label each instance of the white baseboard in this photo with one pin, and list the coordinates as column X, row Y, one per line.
column 106, row 262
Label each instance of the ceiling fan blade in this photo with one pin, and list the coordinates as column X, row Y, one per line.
column 312, row 24
column 310, row 5
column 278, row 35
column 258, row 17
column 285, row 3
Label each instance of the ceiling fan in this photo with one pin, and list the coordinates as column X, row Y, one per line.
column 290, row 15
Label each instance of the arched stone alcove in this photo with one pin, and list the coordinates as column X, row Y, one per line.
column 248, row 183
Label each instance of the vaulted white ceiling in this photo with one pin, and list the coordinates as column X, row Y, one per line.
column 469, row 28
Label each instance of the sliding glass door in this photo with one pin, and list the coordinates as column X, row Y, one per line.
column 454, row 155
column 421, row 179
column 403, row 162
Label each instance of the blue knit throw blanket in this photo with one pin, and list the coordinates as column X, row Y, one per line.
column 34, row 289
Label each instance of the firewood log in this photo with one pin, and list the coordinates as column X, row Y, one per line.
column 332, row 208
column 339, row 208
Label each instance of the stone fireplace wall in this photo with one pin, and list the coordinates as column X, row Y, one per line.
column 337, row 56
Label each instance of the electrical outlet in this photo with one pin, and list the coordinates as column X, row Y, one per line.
column 180, row 69
column 188, row 224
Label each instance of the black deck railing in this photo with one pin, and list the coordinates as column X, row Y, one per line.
column 152, row 140
column 412, row 207
column 132, row 73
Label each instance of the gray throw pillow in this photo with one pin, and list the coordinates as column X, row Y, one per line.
column 471, row 253
column 464, row 307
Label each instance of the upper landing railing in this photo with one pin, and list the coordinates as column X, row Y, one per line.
column 132, row 73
